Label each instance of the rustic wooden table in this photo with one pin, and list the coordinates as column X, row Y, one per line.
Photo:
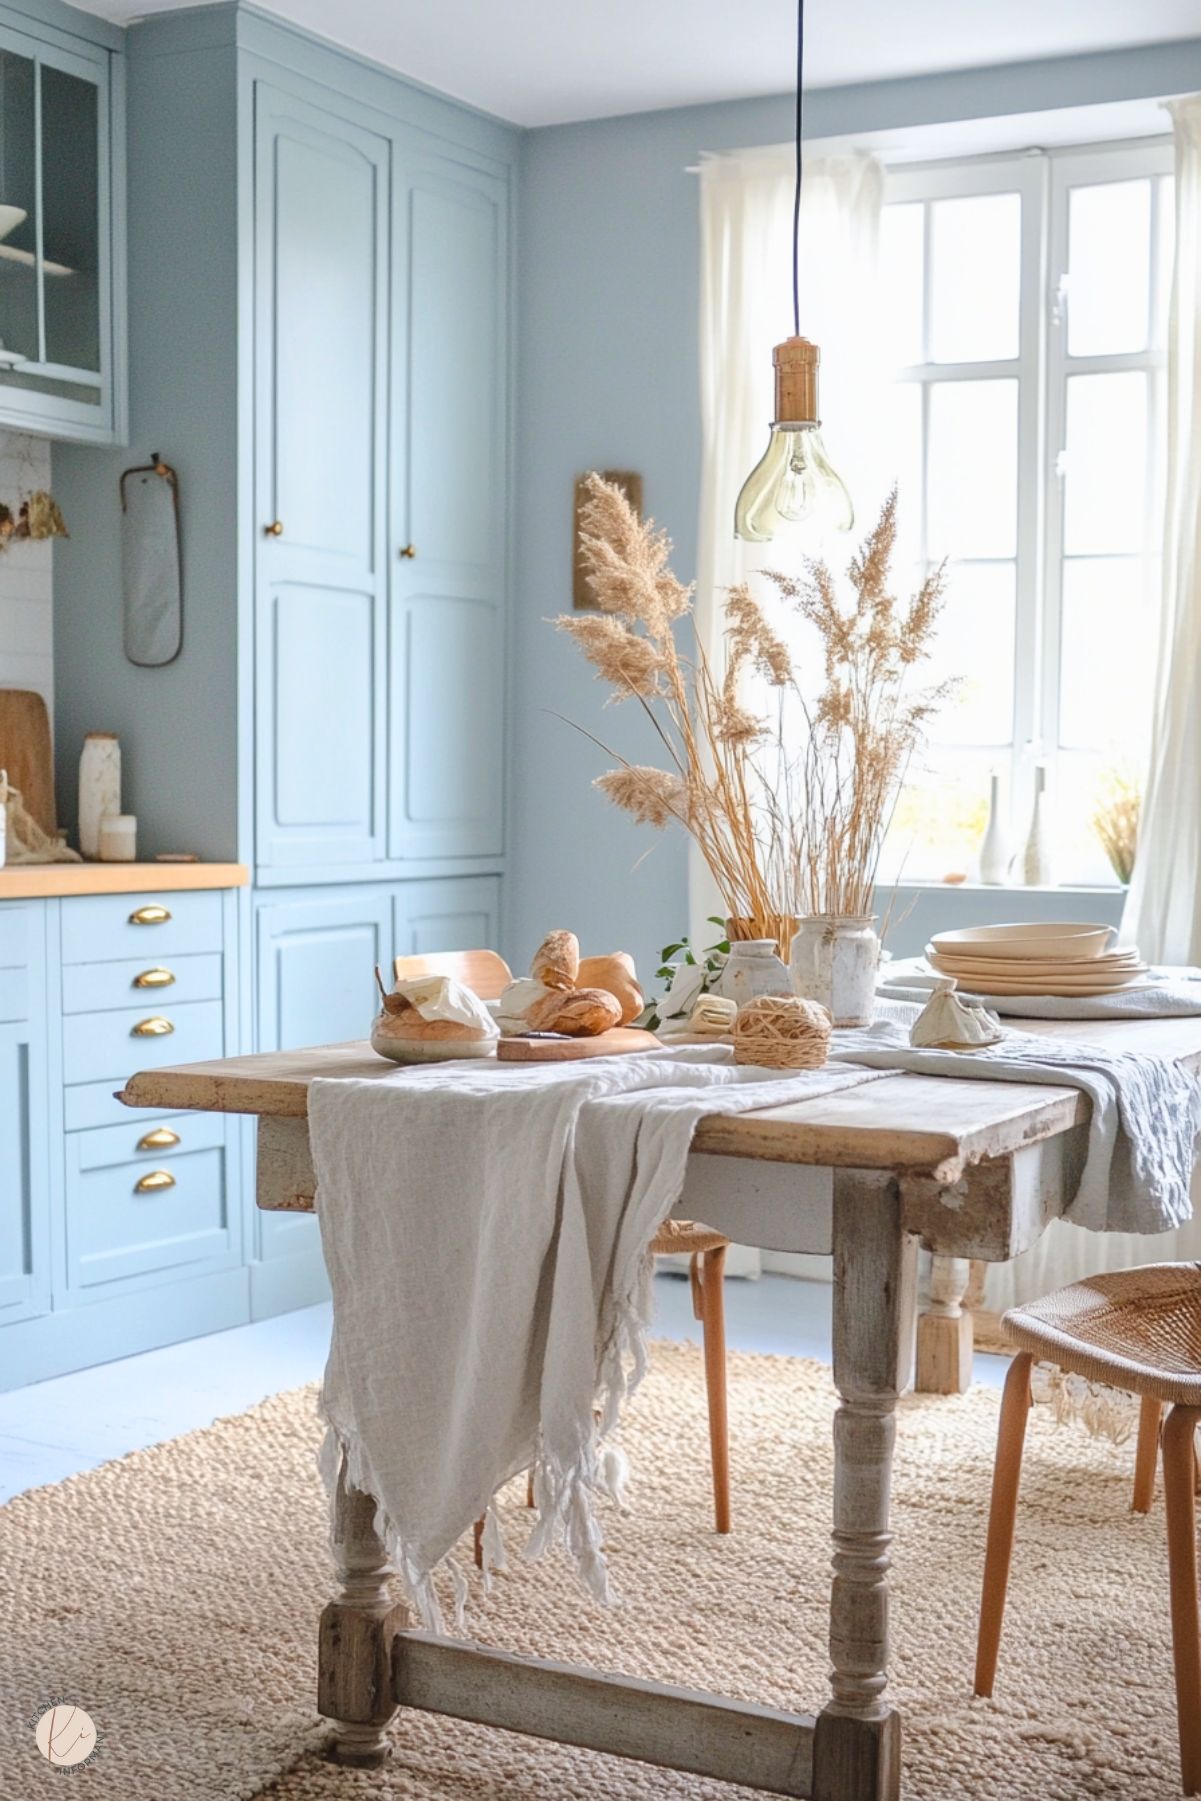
column 971, row 1169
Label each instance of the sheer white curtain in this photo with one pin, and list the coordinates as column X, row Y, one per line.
column 746, row 307
column 1163, row 909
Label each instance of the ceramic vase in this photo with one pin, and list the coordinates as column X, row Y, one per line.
column 834, row 962
column 1037, row 868
column 994, row 852
column 753, row 967
column 99, row 787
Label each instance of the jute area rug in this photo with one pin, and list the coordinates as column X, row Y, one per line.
column 174, row 1595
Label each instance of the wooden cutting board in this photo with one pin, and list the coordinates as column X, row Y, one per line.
column 553, row 1049
column 26, row 753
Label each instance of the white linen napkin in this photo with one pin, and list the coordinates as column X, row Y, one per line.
column 486, row 1230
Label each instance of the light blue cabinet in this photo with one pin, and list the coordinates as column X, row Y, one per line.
column 118, row 1230
column 450, row 492
column 461, row 913
column 24, row 1162
column 321, row 334
column 62, row 284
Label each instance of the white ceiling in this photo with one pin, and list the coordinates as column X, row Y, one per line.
column 544, row 62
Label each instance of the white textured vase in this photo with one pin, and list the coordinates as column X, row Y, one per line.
column 994, row 852
column 99, row 787
column 753, row 967
column 834, row 961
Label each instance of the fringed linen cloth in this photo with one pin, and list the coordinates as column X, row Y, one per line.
column 486, row 1231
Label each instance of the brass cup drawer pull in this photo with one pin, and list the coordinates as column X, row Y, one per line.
column 154, row 1181
column 153, row 915
column 161, row 1139
column 154, row 978
column 155, row 1027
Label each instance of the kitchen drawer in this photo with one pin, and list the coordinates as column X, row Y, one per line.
column 119, row 1228
column 107, row 1046
column 14, row 936
column 142, row 981
column 178, row 1135
column 91, row 1104
column 14, row 994
column 104, row 927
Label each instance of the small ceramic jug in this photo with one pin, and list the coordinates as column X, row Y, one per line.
column 753, row 967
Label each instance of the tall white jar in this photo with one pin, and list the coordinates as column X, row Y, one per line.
column 834, row 961
column 99, row 787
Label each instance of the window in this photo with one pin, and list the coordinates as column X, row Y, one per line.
column 1028, row 304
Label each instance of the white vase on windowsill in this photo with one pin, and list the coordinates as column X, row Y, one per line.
column 1038, row 870
column 994, row 852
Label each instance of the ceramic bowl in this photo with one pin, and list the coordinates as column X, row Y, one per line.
column 423, row 1050
column 10, row 218
column 1049, row 942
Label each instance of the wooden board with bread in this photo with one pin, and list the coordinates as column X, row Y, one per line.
column 549, row 1047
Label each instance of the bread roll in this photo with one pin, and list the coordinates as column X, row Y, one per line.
column 582, row 1013
column 556, row 962
column 616, row 974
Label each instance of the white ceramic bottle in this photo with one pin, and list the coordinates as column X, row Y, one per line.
column 1037, row 867
column 994, row 852
column 99, row 787
column 753, row 967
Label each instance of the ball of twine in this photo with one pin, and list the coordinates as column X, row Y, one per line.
column 782, row 1031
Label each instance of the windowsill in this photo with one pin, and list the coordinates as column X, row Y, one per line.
column 933, row 883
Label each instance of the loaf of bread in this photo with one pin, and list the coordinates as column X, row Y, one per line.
column 579, row 1013
column 617, row 975
column 556, row 962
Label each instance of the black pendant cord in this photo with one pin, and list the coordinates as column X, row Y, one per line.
column 796, row 197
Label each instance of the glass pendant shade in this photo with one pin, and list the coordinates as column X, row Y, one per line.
column 794, row 484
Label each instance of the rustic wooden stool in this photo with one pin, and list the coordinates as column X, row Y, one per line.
column 488, row 975
column 1138, row 1330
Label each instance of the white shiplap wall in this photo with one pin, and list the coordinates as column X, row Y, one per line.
column 26, row 577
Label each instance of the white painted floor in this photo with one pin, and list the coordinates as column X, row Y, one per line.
column 53, row 1429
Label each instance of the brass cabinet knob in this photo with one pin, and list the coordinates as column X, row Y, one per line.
column 157, row 1027
column 154, row 978
column 149, row 916
column 154, row 1180
column 275, row 529
column 408, row 550
column 161, row 1139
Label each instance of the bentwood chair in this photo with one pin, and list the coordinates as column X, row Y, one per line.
column 488, row 975
column 1138, row 1330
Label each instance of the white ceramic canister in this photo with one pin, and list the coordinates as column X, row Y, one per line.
column 119, row 838
column 753, row 967
column 834, row 961
column 99, row 787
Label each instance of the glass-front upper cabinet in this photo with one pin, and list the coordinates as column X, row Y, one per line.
column 60, row 333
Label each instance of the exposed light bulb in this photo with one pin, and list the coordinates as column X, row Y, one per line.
column 794, row 483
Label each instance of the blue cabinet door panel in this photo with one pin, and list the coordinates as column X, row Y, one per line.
column 460, row 913
column 321, row 331
column 450, row 499
column 25, row 1198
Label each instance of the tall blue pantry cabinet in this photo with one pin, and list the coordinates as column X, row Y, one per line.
column 319, row 342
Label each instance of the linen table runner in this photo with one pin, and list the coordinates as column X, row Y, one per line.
column 486, row 1231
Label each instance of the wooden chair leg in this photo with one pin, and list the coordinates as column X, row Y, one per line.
column 1007, row 1471
column 529, row 1489
column 708, row 1304
column 1179, row 1484
column 477, row 1535
column 1147, row 1455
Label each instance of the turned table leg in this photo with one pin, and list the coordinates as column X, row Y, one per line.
column 944, row 1331
column 354, row 1656
column 857, row 1747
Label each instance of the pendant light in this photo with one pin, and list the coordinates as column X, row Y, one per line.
column 794, row 485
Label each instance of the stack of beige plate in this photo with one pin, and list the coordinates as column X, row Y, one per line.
column 1069, row 960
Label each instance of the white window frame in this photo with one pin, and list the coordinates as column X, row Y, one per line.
column 1043, row 179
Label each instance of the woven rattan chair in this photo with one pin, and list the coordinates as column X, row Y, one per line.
column 488, row 975
column 1138, row 1330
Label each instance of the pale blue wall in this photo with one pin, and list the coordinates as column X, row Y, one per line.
column 607, row 377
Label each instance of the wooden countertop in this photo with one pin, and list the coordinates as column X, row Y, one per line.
column 39, row 881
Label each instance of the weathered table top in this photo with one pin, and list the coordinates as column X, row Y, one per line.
column 926, row 1124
